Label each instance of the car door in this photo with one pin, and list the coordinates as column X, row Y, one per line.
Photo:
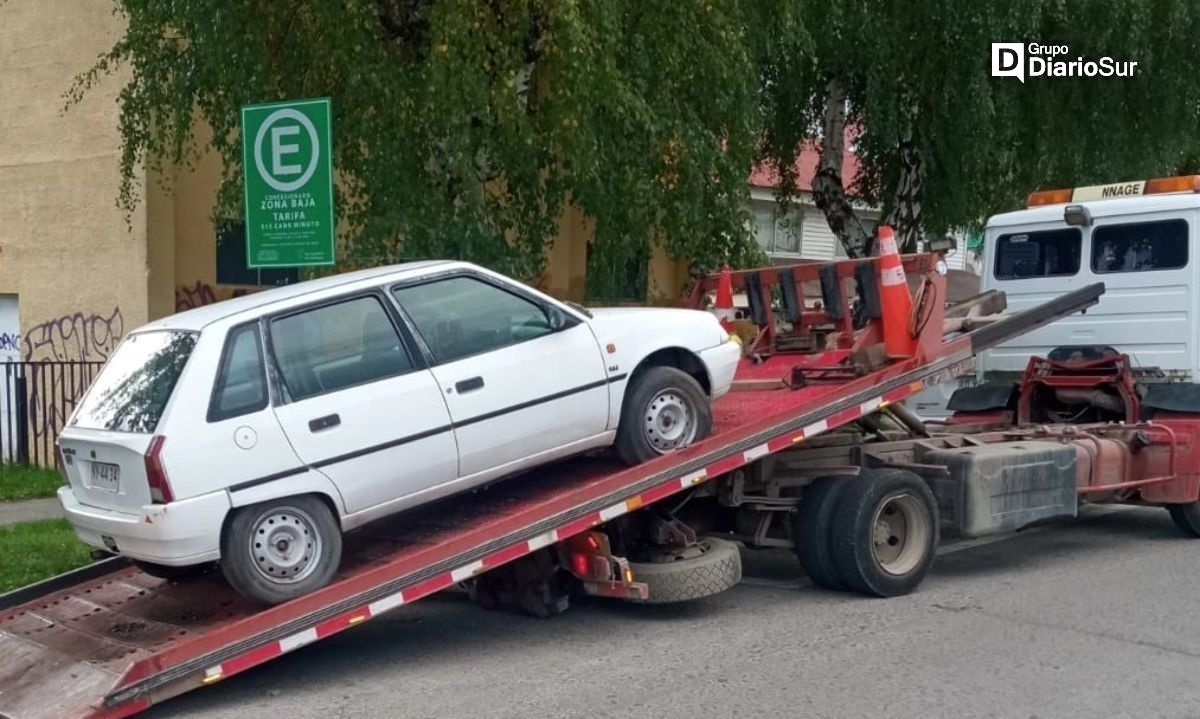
column 516, row 384
column 359, row 405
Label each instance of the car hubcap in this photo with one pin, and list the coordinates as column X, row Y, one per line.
column 670, row 421
column 285, row 545
column 900, row 534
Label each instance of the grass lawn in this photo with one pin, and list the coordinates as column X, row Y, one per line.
column 34, row 551
column 19, row 482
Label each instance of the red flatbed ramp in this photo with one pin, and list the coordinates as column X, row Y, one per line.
column 113, row 645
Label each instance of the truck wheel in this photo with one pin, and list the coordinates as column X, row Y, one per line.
column 1186, row 517
column 885, row 532
column 812, row 530
column 665, row 410
column 706, row 568
column 281, row 549
column 174, row 574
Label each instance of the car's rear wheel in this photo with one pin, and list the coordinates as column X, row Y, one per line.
column 282, row 549
column 665, row 410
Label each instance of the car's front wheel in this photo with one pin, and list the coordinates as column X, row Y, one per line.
column 282, row 549
column 665, row 410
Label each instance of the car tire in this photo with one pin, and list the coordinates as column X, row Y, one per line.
column 281, row 549
column 709, row 567
column 885, row 532
column 174, row 574
column 665, row 409
column 812, row 530
column 1186, row 517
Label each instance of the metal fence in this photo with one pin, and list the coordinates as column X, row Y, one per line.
column 35, row 400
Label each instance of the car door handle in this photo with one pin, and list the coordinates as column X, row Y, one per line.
column 320, row 423
column 469, row 385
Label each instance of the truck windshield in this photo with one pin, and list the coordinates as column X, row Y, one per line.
column 1047, row 253
column 132, row 390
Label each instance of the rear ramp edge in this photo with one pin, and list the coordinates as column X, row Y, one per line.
column 61, row 582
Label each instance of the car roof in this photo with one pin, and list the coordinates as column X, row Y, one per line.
column 265, row 301
column 1099, row 208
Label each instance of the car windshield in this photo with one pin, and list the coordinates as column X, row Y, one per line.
column 132, row 390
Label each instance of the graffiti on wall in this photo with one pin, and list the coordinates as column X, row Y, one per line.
column 188, row 297
column 53, row 390
column 10, row 342
column 78, row 337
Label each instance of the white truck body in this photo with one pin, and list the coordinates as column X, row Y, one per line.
column 1138, row 244
column 1149, row 310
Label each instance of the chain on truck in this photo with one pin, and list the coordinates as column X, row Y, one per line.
column 813, row 450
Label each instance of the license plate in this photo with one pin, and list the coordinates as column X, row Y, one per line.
column 106, row 477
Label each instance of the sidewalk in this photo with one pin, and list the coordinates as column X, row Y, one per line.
column 29, row 511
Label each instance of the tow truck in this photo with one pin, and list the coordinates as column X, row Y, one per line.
column 813, row 449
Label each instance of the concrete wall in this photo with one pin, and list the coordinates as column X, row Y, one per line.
column 78, row 270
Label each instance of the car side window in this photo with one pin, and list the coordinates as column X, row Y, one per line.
column 464, row 316
column 337, row 346
column 241, row 385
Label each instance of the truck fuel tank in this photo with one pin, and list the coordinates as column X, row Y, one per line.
column 1005, row 486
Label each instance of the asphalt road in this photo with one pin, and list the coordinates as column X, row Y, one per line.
column 1096, row 618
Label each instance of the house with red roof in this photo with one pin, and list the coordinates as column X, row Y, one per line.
column 801, row 232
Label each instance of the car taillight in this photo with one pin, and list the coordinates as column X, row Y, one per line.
column 63, row 460
column 156, row 475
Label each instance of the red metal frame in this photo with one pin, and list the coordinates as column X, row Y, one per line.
column 765, row 343
column 1166, row 472
column 1115, row 373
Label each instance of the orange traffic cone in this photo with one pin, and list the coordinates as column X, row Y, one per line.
column 897, row 303
column 724, row 306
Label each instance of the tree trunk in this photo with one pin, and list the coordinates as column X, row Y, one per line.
column 905, row 215
column 828, row 190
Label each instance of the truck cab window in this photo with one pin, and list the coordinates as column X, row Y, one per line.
column 1046, row 253
column 1140, row 246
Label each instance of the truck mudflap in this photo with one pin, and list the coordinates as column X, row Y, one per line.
column 113, row 645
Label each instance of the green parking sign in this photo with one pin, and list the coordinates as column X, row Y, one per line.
column 286, row 153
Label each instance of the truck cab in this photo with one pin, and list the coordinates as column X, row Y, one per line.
column 1135, row 237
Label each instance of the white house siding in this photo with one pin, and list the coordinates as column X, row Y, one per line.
column 816, row 241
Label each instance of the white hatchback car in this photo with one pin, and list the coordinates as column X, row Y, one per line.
column 257, row 430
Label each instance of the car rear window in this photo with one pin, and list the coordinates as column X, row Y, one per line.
column 132, row 390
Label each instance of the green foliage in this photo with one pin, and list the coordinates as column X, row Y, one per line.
column 463, row 127
column 920, row 71
column 19, row 482
column 34, row 551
